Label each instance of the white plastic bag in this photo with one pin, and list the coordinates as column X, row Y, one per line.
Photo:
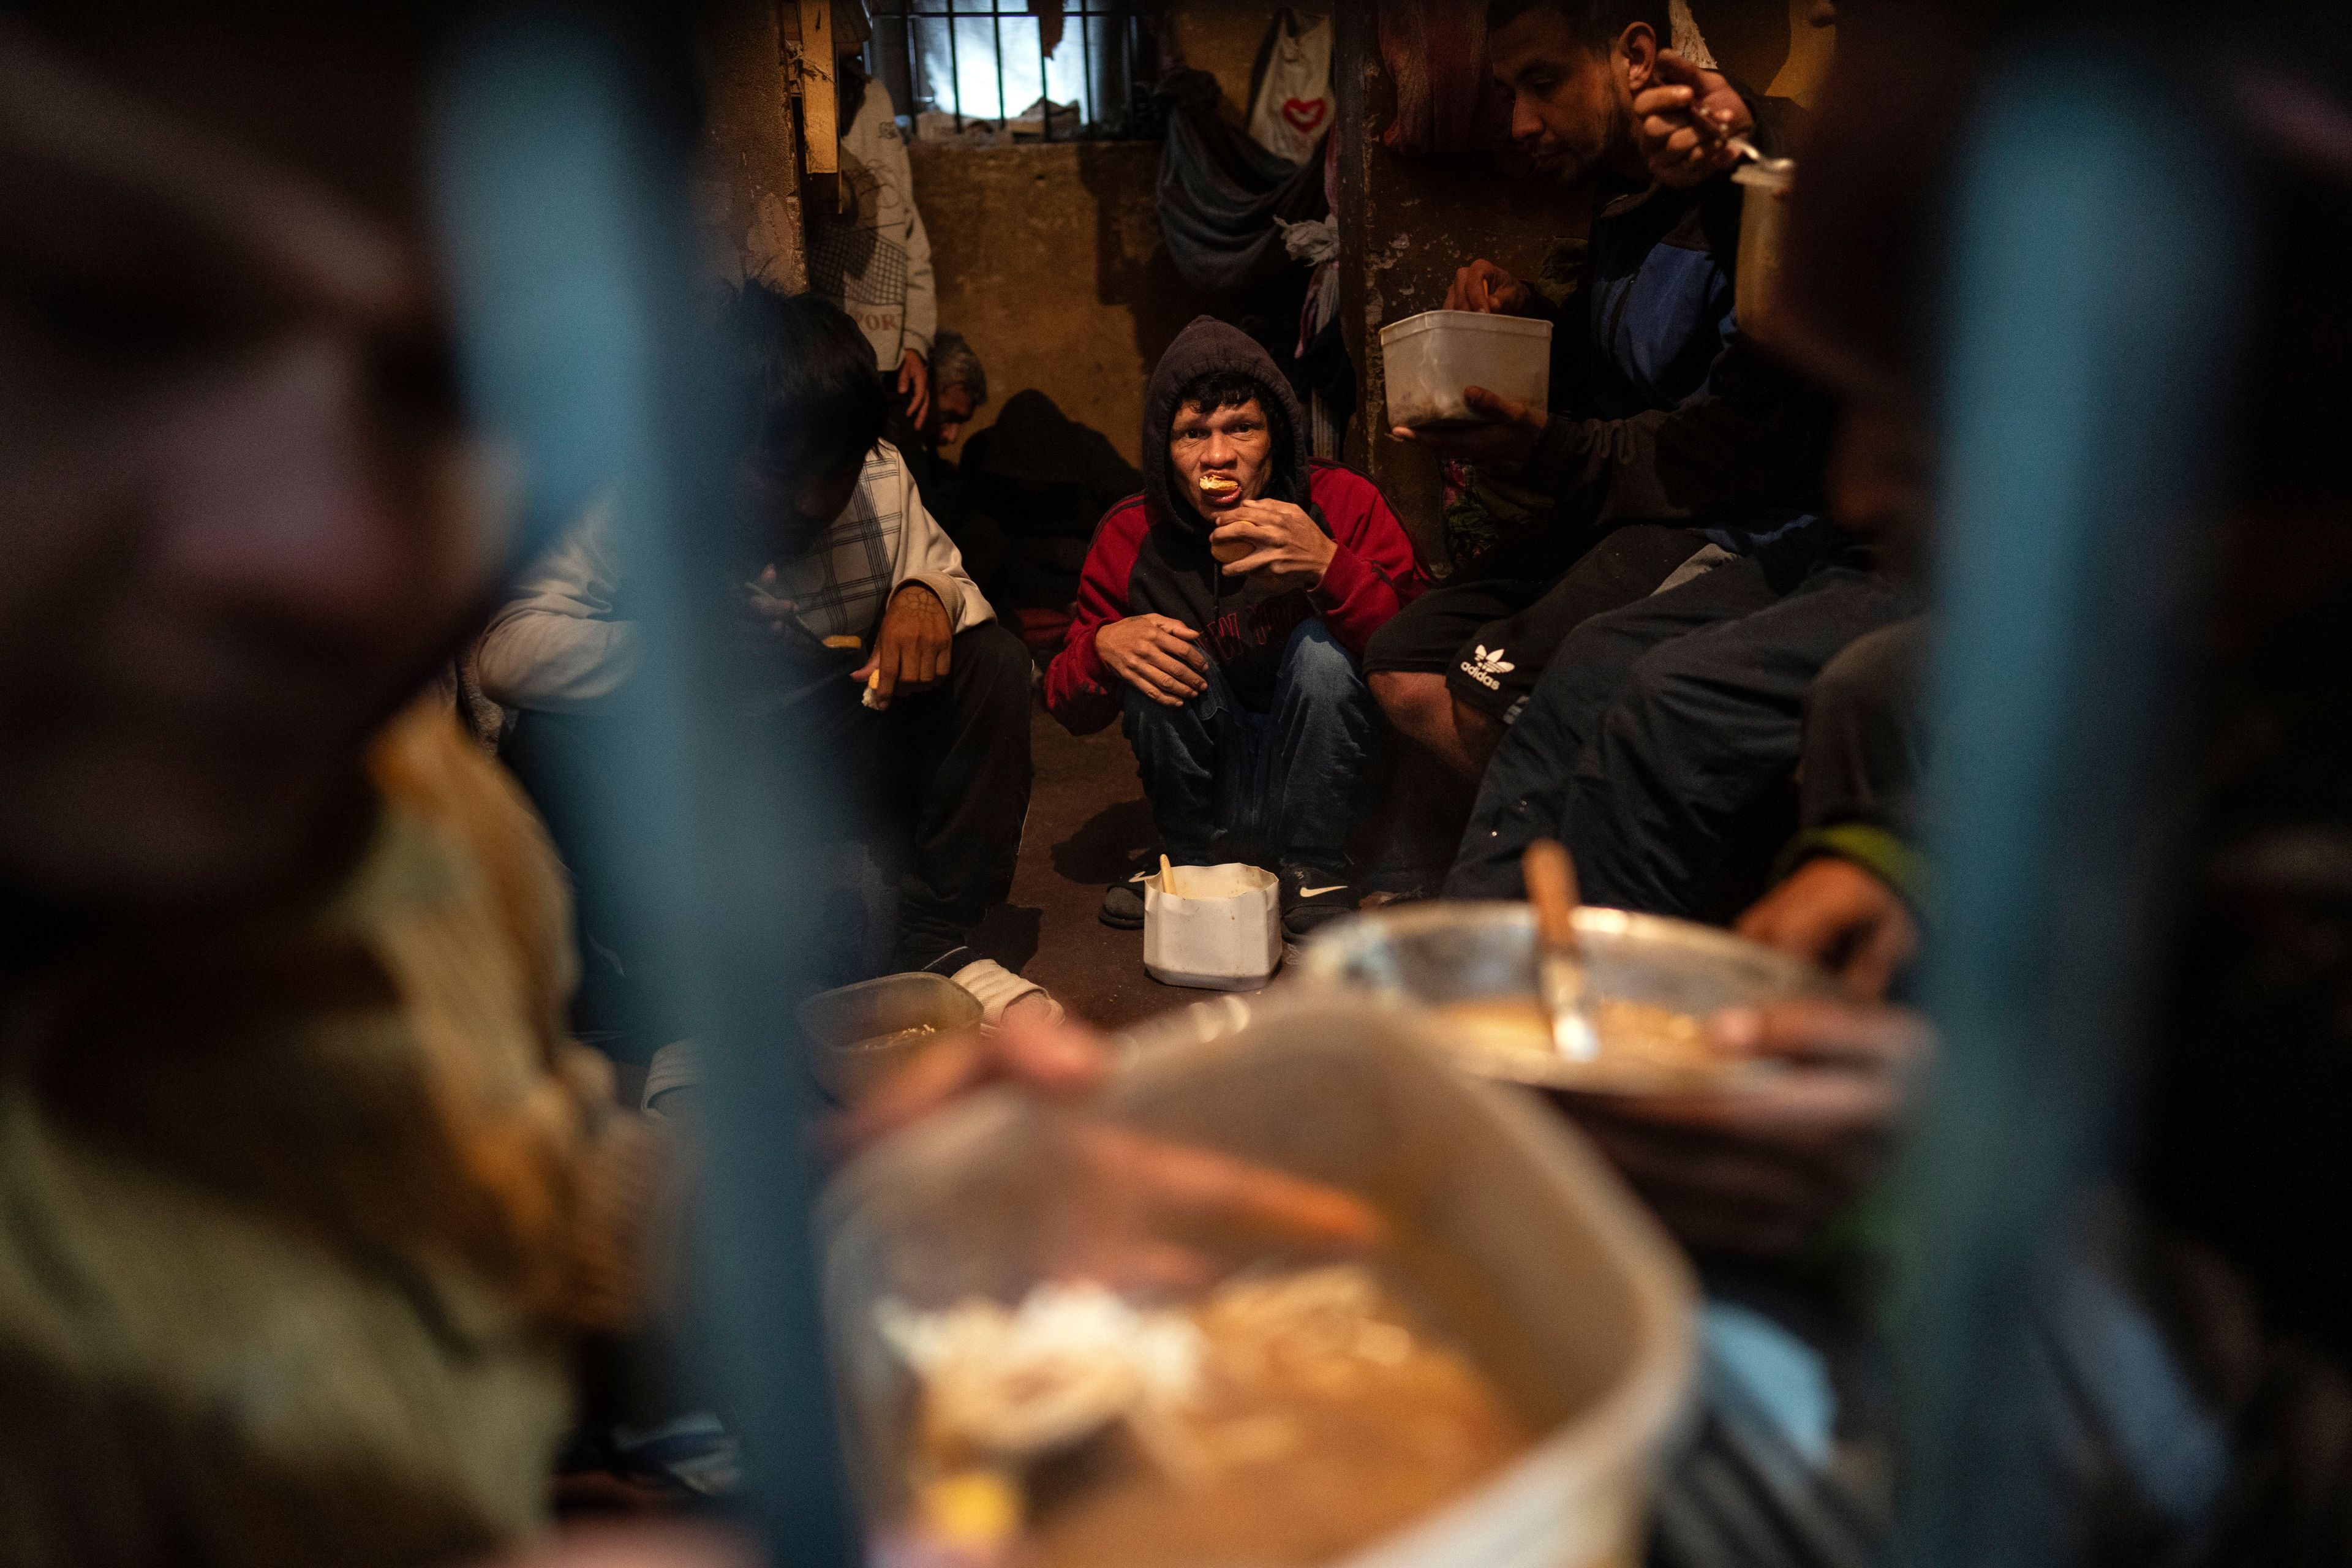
column 1293, row 106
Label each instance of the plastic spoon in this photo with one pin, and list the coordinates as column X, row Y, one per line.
column 1559, row 961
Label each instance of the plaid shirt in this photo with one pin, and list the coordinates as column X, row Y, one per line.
column 842, row 584
column 557, row 644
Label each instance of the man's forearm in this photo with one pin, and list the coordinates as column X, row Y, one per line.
column 1710, row 455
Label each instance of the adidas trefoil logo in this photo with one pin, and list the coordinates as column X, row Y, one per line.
column 1486, row 664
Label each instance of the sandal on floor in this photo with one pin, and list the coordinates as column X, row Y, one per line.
column 676, row 1066
column 997, row 988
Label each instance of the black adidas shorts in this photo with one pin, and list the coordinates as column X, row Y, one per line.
column 1492, row 634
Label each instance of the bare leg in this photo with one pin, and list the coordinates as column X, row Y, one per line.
column 1478, row 734
column 1427, row 713
column 1431, row 808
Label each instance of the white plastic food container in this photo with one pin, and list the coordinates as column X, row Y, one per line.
column 1428, row 360
column 1220, row 928
column 1516, row 1240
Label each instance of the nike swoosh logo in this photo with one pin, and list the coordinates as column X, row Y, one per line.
column 1319, row 892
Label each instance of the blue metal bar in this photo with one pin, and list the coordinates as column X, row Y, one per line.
column 2101, row 248
column 560, row 172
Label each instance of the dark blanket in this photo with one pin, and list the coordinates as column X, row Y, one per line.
column 1220, row 194
column 1031, row 488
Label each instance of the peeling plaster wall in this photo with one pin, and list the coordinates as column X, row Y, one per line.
column 747, row 190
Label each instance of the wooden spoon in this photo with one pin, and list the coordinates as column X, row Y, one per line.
column 1560, row 960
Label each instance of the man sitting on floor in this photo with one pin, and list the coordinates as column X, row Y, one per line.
column 1225, row 613
column 957, row 391
column 875, row 647
column 1670, row 430
column 1662, row 745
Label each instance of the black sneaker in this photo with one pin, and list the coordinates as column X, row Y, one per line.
column 1313, row 898
column 1122, row 905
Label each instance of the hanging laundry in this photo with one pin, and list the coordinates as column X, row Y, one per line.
column 1291, row 108
column 1220, row 194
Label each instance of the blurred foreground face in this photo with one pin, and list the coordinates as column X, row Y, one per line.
column 241, row 522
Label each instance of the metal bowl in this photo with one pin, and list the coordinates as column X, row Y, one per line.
column 1433, row 955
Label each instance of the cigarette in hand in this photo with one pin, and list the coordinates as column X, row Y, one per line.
column 873, row 698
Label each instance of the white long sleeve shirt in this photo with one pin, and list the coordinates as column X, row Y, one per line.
column 558, row 644
column 876, row 263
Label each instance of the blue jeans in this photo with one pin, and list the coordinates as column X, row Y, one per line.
column 1227, row 783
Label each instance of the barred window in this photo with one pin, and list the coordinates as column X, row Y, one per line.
column 991, row 70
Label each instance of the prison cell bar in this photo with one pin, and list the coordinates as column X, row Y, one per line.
column 1089, row 109
column 2100, row 248
column 563, row 151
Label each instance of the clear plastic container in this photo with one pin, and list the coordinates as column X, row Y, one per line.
column 1511, row 1235
column 1427, row 360
column 1219, row 930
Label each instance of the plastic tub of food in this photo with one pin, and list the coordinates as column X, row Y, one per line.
column 1508, row 1236
column 860, row 1035
column 1653, row 982
column 1218, row 927
column 1427, row 360
column 1758, row 301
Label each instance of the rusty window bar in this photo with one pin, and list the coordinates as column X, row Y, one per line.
column 955, row 13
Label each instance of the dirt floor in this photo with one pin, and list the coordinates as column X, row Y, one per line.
column 1086, row 817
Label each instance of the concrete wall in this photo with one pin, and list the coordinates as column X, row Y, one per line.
column 1222, row 37
column 1049, row 259
column 747, row 189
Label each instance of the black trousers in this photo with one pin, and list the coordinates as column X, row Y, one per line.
column 1866, row 732
column 935, row 789
column 1493, row 633
column 1662, row 743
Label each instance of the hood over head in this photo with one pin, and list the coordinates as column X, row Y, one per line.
column 1209, row 344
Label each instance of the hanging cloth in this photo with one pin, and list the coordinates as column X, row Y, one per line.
column 1221, row 194
column 1291, row 106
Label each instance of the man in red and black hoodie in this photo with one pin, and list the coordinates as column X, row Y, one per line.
column 1222, row 615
